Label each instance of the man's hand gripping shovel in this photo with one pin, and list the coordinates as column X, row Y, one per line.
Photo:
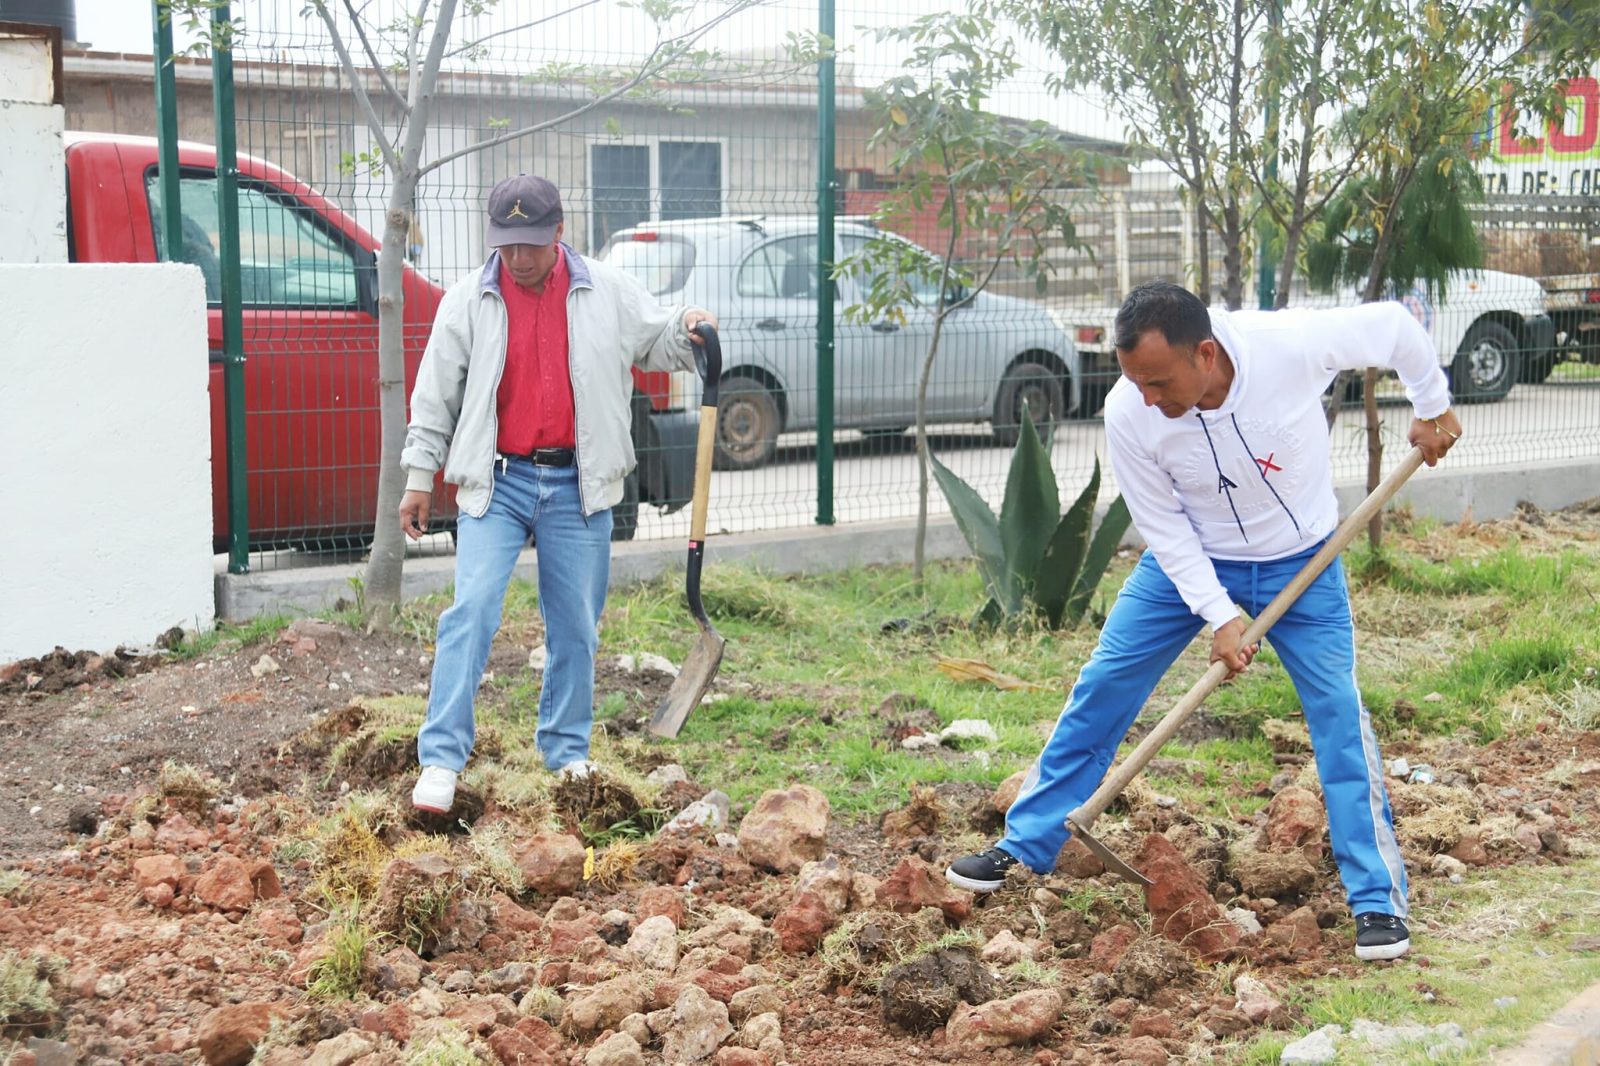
column 1083, row 818
column 700, row 668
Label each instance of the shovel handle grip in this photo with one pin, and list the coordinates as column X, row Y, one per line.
column 1084, row 816
column 708, row 361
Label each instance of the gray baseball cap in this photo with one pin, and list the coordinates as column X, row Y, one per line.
column 523, row 210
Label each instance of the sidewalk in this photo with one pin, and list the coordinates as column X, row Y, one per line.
column 1569, row 1037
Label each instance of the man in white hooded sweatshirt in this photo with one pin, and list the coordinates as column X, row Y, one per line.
column 1220, row 446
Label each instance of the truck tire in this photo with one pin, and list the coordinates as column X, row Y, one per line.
column 1485, row 366
column 748, row 422
column 1535, row 369
column 1032, row 386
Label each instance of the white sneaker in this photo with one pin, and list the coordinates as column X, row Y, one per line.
column 577, row 770
column 435, row 791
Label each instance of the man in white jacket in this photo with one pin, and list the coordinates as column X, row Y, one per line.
column 1220, row 446
column 523, row 398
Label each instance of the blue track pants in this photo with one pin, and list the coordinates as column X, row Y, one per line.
column 1149, row 626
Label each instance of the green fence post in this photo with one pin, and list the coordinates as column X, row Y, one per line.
column 167, row 129
column 232, row 289
column 1267, row 270
column 826, row 187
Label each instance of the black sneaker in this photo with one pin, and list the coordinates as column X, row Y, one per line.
column 1381, row 936
column 983, row 872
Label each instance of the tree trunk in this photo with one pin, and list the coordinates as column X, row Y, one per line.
column 381, row 584
column 1202, row 249
column 1232, row 257
column 1380, row 261
column 918, row 552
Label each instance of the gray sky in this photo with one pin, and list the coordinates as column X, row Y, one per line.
column 124, row 26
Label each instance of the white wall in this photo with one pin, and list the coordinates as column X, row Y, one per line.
column 105, row 443
column 33, row 211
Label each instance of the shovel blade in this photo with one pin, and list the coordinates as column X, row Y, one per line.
column 699, row 670
column 1112, row 860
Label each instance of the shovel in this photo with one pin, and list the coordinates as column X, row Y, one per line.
column 701, row 665
column 1081, row 819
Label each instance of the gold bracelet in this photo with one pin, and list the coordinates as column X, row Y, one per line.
column 1434, row 422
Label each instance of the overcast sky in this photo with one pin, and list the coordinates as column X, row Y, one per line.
column 124, row 26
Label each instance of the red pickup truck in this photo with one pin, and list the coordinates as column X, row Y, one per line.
column 311, row 342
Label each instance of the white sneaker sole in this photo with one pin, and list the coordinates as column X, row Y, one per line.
column 971, row 885
column 1383, row 952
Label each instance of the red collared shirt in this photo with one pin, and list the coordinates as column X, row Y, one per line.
column 535, row 398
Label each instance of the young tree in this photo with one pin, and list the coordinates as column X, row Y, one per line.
column 1404, row 219
column 393, row 70
column 991, row 180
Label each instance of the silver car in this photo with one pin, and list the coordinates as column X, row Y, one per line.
column 996, row 354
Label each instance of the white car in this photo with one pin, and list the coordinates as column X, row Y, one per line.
column 1485, row 328
column 996, row 355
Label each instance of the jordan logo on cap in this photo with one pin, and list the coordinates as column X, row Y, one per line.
column 516, row 212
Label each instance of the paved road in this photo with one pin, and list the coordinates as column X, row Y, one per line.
column 876, row 480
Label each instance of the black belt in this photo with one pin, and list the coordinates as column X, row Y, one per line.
column 545, row 457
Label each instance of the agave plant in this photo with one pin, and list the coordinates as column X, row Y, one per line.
column 1033, row 557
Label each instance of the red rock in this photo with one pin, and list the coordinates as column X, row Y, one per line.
column 395, row 1021
column 530, row 1043
column 551, row 863
column 1180, row 905
column 1076, row 860
column 665, row 993
column 512, row 915
column 786, row 829
column 476, row 1015
column 279, row 924
column 229, row 1034
column 659, row 899
column 802, row 924
column 1224, row 1022
column 159, row 896
column 1158, row 1025
column 554, row 974
column 1296, row 932
column 265, row 880
column 176, row 833
column 1006, row 794
column 1470, row 850
column 722, row 987
column 225, row 884
column 158, row 870
column 1295, row 819
column 1109, row 947
column 565, row 937
column 740, row 1056
column 1019, row 1019
column 916, row 884
column 1142, row 1051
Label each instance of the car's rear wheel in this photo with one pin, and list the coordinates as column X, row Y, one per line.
column 1485, row 366
column 748, row 422
column 1034, row 388
column 1537, row 368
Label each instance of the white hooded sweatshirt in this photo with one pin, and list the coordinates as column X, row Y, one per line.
column 1251, row 480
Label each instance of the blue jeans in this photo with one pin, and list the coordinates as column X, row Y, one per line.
column 574, row 559
column 1149, row 626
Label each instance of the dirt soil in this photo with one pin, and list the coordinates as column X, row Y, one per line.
column 171, row 922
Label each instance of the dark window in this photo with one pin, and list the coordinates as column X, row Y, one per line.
column 785, row 269
column 621, row 189
column 691, row 180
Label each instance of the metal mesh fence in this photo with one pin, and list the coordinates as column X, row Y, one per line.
column 705, row 187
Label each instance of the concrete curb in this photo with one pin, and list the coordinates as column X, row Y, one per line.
column 1483, row 493
column 1569, row 1037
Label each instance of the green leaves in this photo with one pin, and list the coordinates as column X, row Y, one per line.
column 1033, row 558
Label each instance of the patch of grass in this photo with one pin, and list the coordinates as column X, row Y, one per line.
column 493, row 861
column 187, row 788
column 1508, row 572
column 445, row 1047
column 1547, row 661
column 348, row 854
column 227, row 636
column 12, row 882
column 25, row 996
column 1478, row 953
column 338, row 974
